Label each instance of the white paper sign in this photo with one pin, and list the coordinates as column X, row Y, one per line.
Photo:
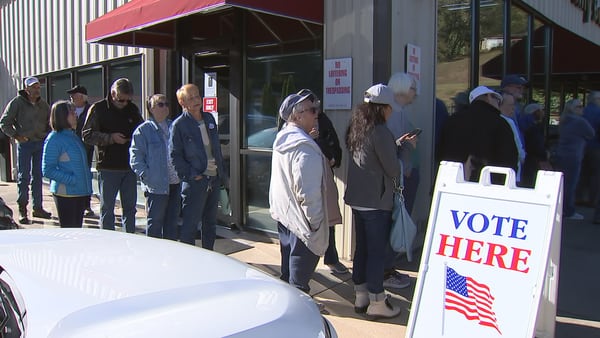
column 337, row 84
column 413, row 63
column 210, row 84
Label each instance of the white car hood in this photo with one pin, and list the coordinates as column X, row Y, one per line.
column 99, row 283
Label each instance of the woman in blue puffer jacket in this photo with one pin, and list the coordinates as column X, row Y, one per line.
column 64, row 162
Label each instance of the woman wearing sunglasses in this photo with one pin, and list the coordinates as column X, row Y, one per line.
column 149, row 158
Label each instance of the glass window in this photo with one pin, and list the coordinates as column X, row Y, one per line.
column 269, row 81
column 491, row 40
column 59, row 84
column 258, row 178
column 91, row 79
column 131, row 69
column 518, row 41
column 453, row 48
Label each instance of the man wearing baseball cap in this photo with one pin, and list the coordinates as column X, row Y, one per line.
column 79, row 97
column 515, row 85
column 297, row 192
column 25, row 119
column 485, row 138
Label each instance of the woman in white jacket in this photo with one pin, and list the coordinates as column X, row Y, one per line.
column 296, row 194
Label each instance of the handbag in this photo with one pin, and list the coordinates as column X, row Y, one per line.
column 224, row 201
column 404, row 230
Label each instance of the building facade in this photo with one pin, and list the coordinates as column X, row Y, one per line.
column 250, row 54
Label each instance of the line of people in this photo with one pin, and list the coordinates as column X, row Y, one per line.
column 179, row 163
column 303, row 198
column 493, row 128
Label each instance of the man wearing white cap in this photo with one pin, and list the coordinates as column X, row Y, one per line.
column 25, row 119
column 486, row 139
column 297, row 191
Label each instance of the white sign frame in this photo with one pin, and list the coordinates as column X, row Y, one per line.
column 524, row 302
column 337, row 84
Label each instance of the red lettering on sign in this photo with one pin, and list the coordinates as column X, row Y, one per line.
column 492, row 254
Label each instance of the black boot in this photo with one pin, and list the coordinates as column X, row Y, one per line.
column 23, row 215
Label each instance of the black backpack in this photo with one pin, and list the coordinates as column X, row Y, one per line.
column 6, row 217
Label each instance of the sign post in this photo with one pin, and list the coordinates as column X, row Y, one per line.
column 490, row 259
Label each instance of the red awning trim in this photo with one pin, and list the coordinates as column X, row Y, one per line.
column 138, row 15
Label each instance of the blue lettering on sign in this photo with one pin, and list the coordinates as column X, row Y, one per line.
column 480, row 222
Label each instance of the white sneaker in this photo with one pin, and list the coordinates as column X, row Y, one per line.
column 576, row 217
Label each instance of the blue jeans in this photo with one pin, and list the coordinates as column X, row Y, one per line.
column 571, row 167
column 372, row 234
column 110, row 182
column 29, row 170
column 199, row 204
column 163, row 212
column 298, row 263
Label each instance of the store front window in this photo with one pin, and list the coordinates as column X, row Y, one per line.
column 91, row 79
column 269, row 80
column 131, row 69
column 59, row 84
column 453, row 53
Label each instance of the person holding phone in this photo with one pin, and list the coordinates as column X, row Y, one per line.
column 109, row 125
column 404, row 88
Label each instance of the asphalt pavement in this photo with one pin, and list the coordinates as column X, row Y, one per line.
column 578, row 311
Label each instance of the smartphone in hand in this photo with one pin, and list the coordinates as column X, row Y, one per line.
column 415, row 132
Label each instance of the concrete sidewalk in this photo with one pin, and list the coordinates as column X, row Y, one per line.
column 578, row 299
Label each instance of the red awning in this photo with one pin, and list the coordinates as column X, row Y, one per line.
column 151, row 23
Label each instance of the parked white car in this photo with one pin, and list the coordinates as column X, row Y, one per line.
column 99, row 283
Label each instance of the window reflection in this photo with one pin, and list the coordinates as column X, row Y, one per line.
column 270, row 80
column 257, row 177
column 453, row 48
column 491, row 42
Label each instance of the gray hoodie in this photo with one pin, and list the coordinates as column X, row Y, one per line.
column 298, row 188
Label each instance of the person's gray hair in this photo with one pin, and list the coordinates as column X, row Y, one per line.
column 400, row 83
column 122, row 86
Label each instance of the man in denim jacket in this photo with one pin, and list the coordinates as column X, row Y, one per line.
column 196, row 154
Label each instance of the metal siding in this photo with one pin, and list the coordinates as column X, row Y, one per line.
column 44, row 36
column 568, row 16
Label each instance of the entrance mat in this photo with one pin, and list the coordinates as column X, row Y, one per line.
column 227, row 246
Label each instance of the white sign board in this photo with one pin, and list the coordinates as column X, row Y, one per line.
column 337, row 85
column 210, row 84
column 490, row 259
column 413, row 63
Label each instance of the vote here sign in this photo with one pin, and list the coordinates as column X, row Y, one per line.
column 488, row 255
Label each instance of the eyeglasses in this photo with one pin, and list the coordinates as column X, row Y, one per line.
column 499, row 100
column 162, row 104
column 123, row 100
column 313, row 109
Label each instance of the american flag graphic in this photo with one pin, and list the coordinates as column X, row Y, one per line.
column 471, row 298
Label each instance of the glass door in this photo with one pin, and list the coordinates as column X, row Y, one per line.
column 210, row 72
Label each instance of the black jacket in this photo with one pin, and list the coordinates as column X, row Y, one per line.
column 481, row 134
column 89, row 149
column 328, row 140
column 104, row 119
